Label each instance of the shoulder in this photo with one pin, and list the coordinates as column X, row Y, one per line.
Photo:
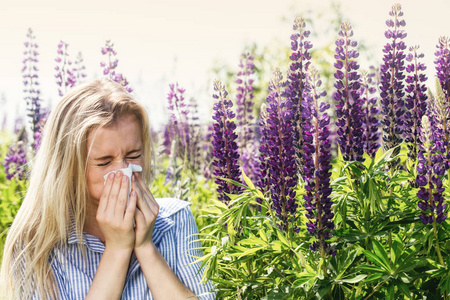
column 169, row 207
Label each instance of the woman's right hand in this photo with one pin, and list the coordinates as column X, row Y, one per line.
column 114, row 217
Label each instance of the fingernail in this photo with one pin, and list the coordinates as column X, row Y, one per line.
column 124, row 179
column 133, row 178
column 111, row 176
column 119, row 174
column 133, row 193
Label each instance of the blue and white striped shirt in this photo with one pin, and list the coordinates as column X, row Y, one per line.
column 174, row 234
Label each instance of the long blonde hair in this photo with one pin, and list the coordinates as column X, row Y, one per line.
column 57, row 192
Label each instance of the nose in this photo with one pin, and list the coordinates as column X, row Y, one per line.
column 123, row 164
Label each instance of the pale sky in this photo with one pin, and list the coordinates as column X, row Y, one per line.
column 164, row 41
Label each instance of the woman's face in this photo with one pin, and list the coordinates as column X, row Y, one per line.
column 113, row 148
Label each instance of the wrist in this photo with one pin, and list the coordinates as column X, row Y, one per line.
column 147, row 249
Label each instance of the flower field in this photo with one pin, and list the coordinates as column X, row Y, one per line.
column 300, row 191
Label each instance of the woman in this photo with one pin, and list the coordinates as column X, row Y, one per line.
column 78, row 235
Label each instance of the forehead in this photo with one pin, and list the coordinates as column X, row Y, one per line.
column 124, row 133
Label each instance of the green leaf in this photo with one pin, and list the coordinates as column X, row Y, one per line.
column 248, row 181
column 355, row 279
column 375, row 259
column 381, row 254
column 282, row 238
column 373, row 278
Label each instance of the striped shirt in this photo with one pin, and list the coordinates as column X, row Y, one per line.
column 174, row 234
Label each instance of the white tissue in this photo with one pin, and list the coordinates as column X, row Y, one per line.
column 127, row 172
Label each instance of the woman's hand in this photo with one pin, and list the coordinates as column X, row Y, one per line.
column 146, row 212
column 114, row 217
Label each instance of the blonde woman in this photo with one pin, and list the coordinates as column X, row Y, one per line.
column 75, row 236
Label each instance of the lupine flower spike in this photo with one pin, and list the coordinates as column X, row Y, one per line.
column 278, row 153
column 244, row 115
column 430, row 171
column 31, row 81
column 392, row 86
column 440, row 115
column 16, row 158
column 416, row 100
column 225, row 149
column 65, row 78
column 442, row 63
column 79, row 68
column 317, row 166
column 111, row 65
column 348, row 101
column 371, row 123
column 296, row 78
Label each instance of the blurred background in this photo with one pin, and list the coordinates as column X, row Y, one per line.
column 192, row 42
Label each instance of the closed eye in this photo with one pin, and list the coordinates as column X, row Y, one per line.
column 135, row 157
column 104, row 164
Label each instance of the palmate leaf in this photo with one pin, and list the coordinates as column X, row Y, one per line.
column 381, row 254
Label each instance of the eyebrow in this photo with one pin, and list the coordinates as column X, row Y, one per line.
column 110, row 156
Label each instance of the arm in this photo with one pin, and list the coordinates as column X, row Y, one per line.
column 118, row 231
column 161, row 280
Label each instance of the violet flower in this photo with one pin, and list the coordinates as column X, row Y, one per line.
column 244, row 115
column 65, row 77
column 79, row 68
column 442, row 63
column 348, row 101
column 296, row 78
column 16, row 160
column 278, row 153
column 177, row 106
column 430, row 171
column 225, row 149
column 317, row 165
column 371, row 123
column 31, row 81
column 439, row 109
column 392, row 87
column 416, row 100
column 111, row 65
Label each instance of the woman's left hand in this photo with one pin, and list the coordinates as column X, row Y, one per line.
column 146, row 212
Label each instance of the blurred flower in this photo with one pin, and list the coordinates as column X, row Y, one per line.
column 392, row 86
column 278, row 153
column 65, row 77
column 30, row 81
column 430, row 171
column 16, row 158
column 416, row 100
column 79, row 68
column 111, row 65
column 317, row 165
column 225, row 149
column 371, row 123
column 296, row 82
column 348, row 101
column 244, row 115
column 442, row 63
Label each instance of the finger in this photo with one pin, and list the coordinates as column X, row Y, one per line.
column 131, row 207
column 114, row 194
column 103, row 203
column 150, row 199
column 141, row 202
column 122, row 198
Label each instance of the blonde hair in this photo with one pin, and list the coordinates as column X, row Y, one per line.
column 57, row 193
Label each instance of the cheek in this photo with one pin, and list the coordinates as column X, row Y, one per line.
column 95, row 183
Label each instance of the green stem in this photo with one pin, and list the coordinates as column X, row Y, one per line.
column 438, row 249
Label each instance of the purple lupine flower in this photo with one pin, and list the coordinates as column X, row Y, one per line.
column 207, row 151
column 179, row 113
column 296, row 78
column 244, row 115
column 38, row 134
column 317, row 165
column 111, row 65
column 416, row 100
column 392, row 86
column 31, row 81
column 442, row 63
column 225, row 149
column 79, row 68
column 371, row 123
column 194, row 135
column 430, row 171
column 65, row 77
column 278, row 152
column 348, row 100
column 244, row 103
column 16, row 159
column 439, row 109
